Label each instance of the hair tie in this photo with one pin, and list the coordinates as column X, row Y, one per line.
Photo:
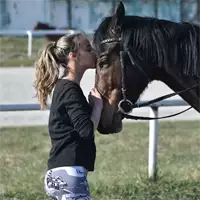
column 54, row 44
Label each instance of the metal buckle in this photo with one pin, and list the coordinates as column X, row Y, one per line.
column 128, row 104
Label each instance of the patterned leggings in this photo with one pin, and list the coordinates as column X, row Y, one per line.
column 67, row 183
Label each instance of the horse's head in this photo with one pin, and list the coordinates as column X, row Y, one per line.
column 108, row 73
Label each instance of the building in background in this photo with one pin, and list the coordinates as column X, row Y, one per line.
column 86, row 15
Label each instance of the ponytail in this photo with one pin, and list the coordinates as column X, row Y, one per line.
column 46, row 74
column 51, row 61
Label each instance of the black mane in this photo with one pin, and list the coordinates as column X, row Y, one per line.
column 159, row 42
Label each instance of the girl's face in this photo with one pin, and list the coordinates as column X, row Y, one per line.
column 86, row 56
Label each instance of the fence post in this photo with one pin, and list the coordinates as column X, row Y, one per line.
column 153, row 135
column 30, row 38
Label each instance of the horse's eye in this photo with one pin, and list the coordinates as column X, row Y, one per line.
column 103, row 64
column 103, row 61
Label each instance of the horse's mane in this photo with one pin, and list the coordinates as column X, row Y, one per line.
column 162, row 43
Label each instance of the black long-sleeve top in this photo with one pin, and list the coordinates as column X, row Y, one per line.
column 70, row 128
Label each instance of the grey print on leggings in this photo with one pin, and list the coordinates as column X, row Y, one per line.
column 56, row 183
column 61, row 186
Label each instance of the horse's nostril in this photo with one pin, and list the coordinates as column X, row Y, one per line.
column 118, row 117
column 105, row 131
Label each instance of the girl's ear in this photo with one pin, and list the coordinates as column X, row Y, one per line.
column 72, row 55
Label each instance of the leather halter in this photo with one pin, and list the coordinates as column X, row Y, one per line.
column 125, row 106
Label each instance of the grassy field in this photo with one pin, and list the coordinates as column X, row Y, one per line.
column 13, row 51
column 121, row 165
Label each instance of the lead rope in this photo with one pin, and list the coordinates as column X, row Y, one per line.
column 152, row 118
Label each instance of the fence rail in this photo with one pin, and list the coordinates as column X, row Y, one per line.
column 30, row 34
column 153, row 126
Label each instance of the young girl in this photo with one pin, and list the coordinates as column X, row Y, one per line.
column 72, row 121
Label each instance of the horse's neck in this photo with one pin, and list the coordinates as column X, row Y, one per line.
column 178, row 83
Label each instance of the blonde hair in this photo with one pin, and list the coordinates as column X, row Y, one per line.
column 53, row 56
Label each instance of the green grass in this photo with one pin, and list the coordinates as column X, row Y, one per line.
column 13, row 51
column 121, row 164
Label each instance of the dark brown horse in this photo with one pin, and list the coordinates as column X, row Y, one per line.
column 133, row 51
column 44, row 26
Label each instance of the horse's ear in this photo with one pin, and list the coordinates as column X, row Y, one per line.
column 117, row 18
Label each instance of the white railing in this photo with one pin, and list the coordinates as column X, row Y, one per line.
column 30, row 34
column 153, row 133
column 153, row 126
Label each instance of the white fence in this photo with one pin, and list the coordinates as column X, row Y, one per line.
column 30, row 34
column 153, row 126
